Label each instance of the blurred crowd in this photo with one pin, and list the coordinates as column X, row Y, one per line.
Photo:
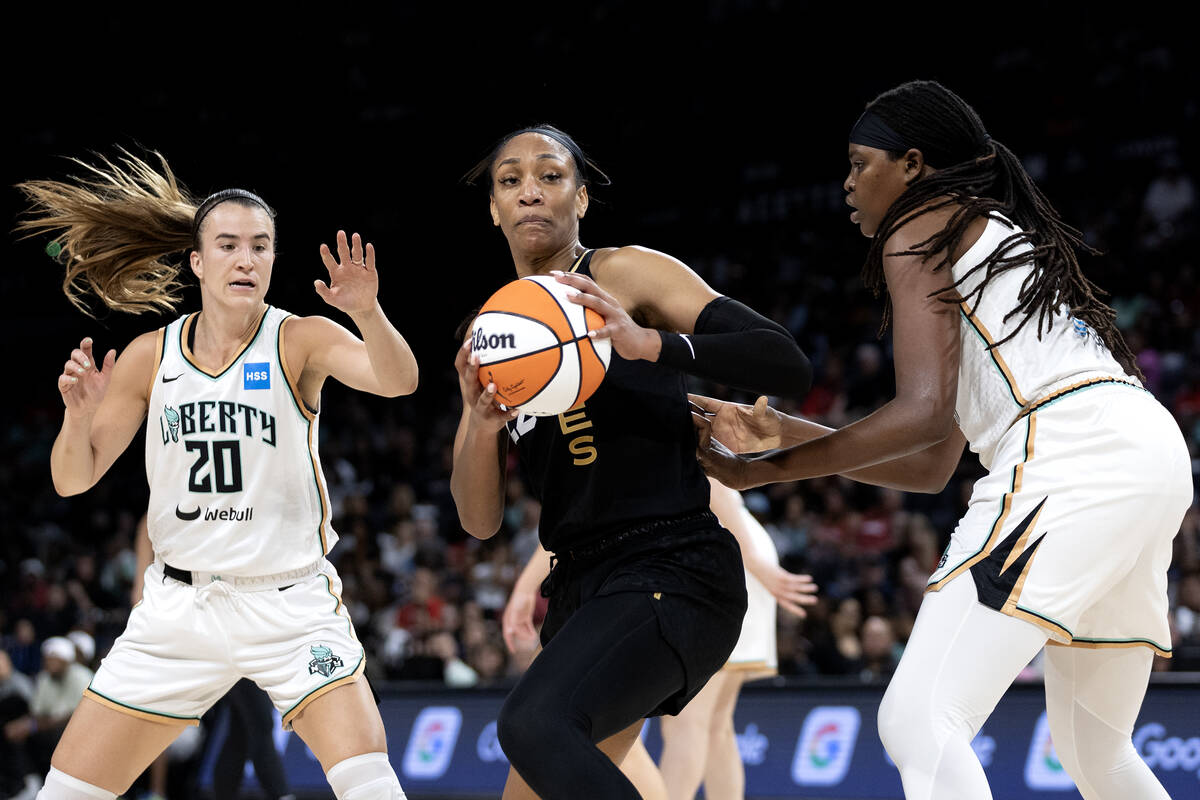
column 427, row 598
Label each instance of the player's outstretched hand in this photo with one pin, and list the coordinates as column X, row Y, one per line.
column 741, row 428
column 630, row 340
column 485, row 408
column 81, row 383
column 793, row 592
column 353, row 282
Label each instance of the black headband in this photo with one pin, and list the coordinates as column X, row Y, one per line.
column 216, row 198
column 871, row 131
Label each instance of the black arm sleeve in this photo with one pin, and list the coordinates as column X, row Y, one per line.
column 735, row 345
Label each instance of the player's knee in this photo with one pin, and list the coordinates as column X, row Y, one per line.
column 894, row 724
column 365, row 777
column 518, row 730
column 61, row 786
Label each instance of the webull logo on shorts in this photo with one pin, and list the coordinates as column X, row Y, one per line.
column 1166, row 753
column 481, row 341
column 324, row 661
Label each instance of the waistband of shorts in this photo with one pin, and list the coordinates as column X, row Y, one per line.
column 243, row 583
column 1075, row 383
column 599, row 548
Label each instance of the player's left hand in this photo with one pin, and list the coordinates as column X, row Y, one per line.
column 353, row 282
column 630, row 340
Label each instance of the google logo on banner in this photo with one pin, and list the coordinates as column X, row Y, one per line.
column 1043, row 770
column 431, row 743
column 826, row 746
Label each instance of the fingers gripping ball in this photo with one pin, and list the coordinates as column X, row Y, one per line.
column 533, row 344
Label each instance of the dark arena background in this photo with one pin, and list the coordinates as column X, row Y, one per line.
column 723, row 126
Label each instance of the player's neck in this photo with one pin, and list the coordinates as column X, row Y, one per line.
column 541, row 263
column 221, row 331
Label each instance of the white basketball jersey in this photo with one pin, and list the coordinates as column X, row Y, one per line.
column 231, row 457
column 995, row 385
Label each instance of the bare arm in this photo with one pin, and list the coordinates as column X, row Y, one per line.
column 480, row 447
column 656, row 309
column 922, row 413
column 105, row 405
column 758, row 428
column 380, row 363
column 517, row 620
column 790, row 590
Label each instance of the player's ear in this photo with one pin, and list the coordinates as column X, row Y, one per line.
column 581, row 202
column 197, row 264
column 495, row 212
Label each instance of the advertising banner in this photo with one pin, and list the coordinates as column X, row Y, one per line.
column 795, row 742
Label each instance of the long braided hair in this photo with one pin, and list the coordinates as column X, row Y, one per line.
column 979, row 176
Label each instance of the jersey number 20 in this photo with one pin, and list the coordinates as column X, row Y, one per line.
column 226, row 473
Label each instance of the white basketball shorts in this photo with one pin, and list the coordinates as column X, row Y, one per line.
column 1072, row 527
column 185, row 646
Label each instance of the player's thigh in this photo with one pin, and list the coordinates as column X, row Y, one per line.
column 341, row 724
column 109, row 748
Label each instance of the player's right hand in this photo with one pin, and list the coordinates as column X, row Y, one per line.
column 485, row 408
column 83, row 382
column 741, row 428
column 516, row 623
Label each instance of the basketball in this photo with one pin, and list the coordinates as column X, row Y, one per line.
column 533, row 344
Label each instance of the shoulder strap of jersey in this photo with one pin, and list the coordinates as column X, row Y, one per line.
column 583, row 265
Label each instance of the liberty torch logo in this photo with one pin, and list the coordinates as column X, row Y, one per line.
column 324, row 661
column 172, row 424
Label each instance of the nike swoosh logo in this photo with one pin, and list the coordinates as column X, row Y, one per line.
column 187, row 516
column 165, row 379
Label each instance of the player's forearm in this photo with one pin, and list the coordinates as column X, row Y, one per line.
column 391, row 358
column 477, row 481
column 735, row 345
column 896, row 430
column 72, row 459
column 535, row 571
column 926, row 470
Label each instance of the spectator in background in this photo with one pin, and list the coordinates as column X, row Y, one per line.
column 879, row 657
column 58, row 689
column 1169, row 203
column 22, row 647
column 16, row 692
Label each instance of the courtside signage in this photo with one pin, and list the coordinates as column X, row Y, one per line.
column 431, row 744
column 1043, row 770
column 826, row 746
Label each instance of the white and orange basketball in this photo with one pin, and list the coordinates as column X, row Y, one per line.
column 533, row 344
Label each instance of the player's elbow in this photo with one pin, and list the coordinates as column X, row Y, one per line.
column 480, row 529
column 67, row 488
column 799, row 374
column 931, row 419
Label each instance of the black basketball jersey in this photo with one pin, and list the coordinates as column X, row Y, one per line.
column 626, row 456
